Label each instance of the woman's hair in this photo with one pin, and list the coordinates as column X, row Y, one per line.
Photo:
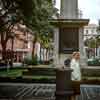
column 74, row 53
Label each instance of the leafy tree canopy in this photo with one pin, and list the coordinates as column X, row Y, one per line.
column 36, row 14
column 33, row 13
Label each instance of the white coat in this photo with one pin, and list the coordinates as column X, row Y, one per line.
column 75, row 66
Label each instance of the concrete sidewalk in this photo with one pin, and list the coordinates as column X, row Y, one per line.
column 20, row 91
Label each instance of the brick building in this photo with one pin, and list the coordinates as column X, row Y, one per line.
column 22, row 42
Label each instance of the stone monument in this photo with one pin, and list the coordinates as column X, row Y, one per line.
column 68, row 32
column 69, row 9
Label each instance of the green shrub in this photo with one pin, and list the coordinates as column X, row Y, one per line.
column 31, row 61
column 94, row 62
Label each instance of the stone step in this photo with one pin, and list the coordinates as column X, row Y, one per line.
column 40, row 71
column 91, row 71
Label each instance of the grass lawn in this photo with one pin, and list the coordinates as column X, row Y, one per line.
column 14, row 73
column 40, row 77
column 11, row 72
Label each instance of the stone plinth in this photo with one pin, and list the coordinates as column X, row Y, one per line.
column 68, row 38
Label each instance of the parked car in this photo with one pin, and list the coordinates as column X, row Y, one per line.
column 94, row 62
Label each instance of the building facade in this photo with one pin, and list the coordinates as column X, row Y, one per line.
column 90, row 31
column 22, row 43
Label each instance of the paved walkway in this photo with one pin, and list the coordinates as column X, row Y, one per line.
column 27, row 91
column 19, row 91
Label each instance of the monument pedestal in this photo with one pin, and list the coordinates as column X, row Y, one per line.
column 68, row 37
column 68, row 32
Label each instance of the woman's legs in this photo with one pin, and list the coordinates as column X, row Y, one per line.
column 73, row 97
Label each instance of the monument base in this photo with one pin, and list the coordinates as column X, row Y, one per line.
column 68, row 35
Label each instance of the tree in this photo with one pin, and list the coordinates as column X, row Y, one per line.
column 33, row 13
column 98, row 28
column 98, row 36
column 9, row 16
column 86, row 42
column 41, row 11
column 91, row 43
column 38, row 19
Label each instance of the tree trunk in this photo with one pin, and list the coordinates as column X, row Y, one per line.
column 12, row 52
column 4, row 53
column 33, row 49
column 34, row 41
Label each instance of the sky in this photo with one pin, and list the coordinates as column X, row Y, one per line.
column 90, row 9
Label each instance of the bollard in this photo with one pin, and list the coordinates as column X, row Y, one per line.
column 64, row 89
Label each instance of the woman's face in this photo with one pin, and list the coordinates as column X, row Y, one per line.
column 77, row 56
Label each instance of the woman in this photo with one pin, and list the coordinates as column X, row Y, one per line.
column 76, row 74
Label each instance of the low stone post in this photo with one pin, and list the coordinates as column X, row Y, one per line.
column 64, row 89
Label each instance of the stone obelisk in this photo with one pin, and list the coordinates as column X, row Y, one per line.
column 69, row 9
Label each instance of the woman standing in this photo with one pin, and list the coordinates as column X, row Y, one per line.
column 76, row 74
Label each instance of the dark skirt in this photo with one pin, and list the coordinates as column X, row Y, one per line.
column 76, row 87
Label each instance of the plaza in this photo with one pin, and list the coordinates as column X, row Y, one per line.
column 34, row 46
